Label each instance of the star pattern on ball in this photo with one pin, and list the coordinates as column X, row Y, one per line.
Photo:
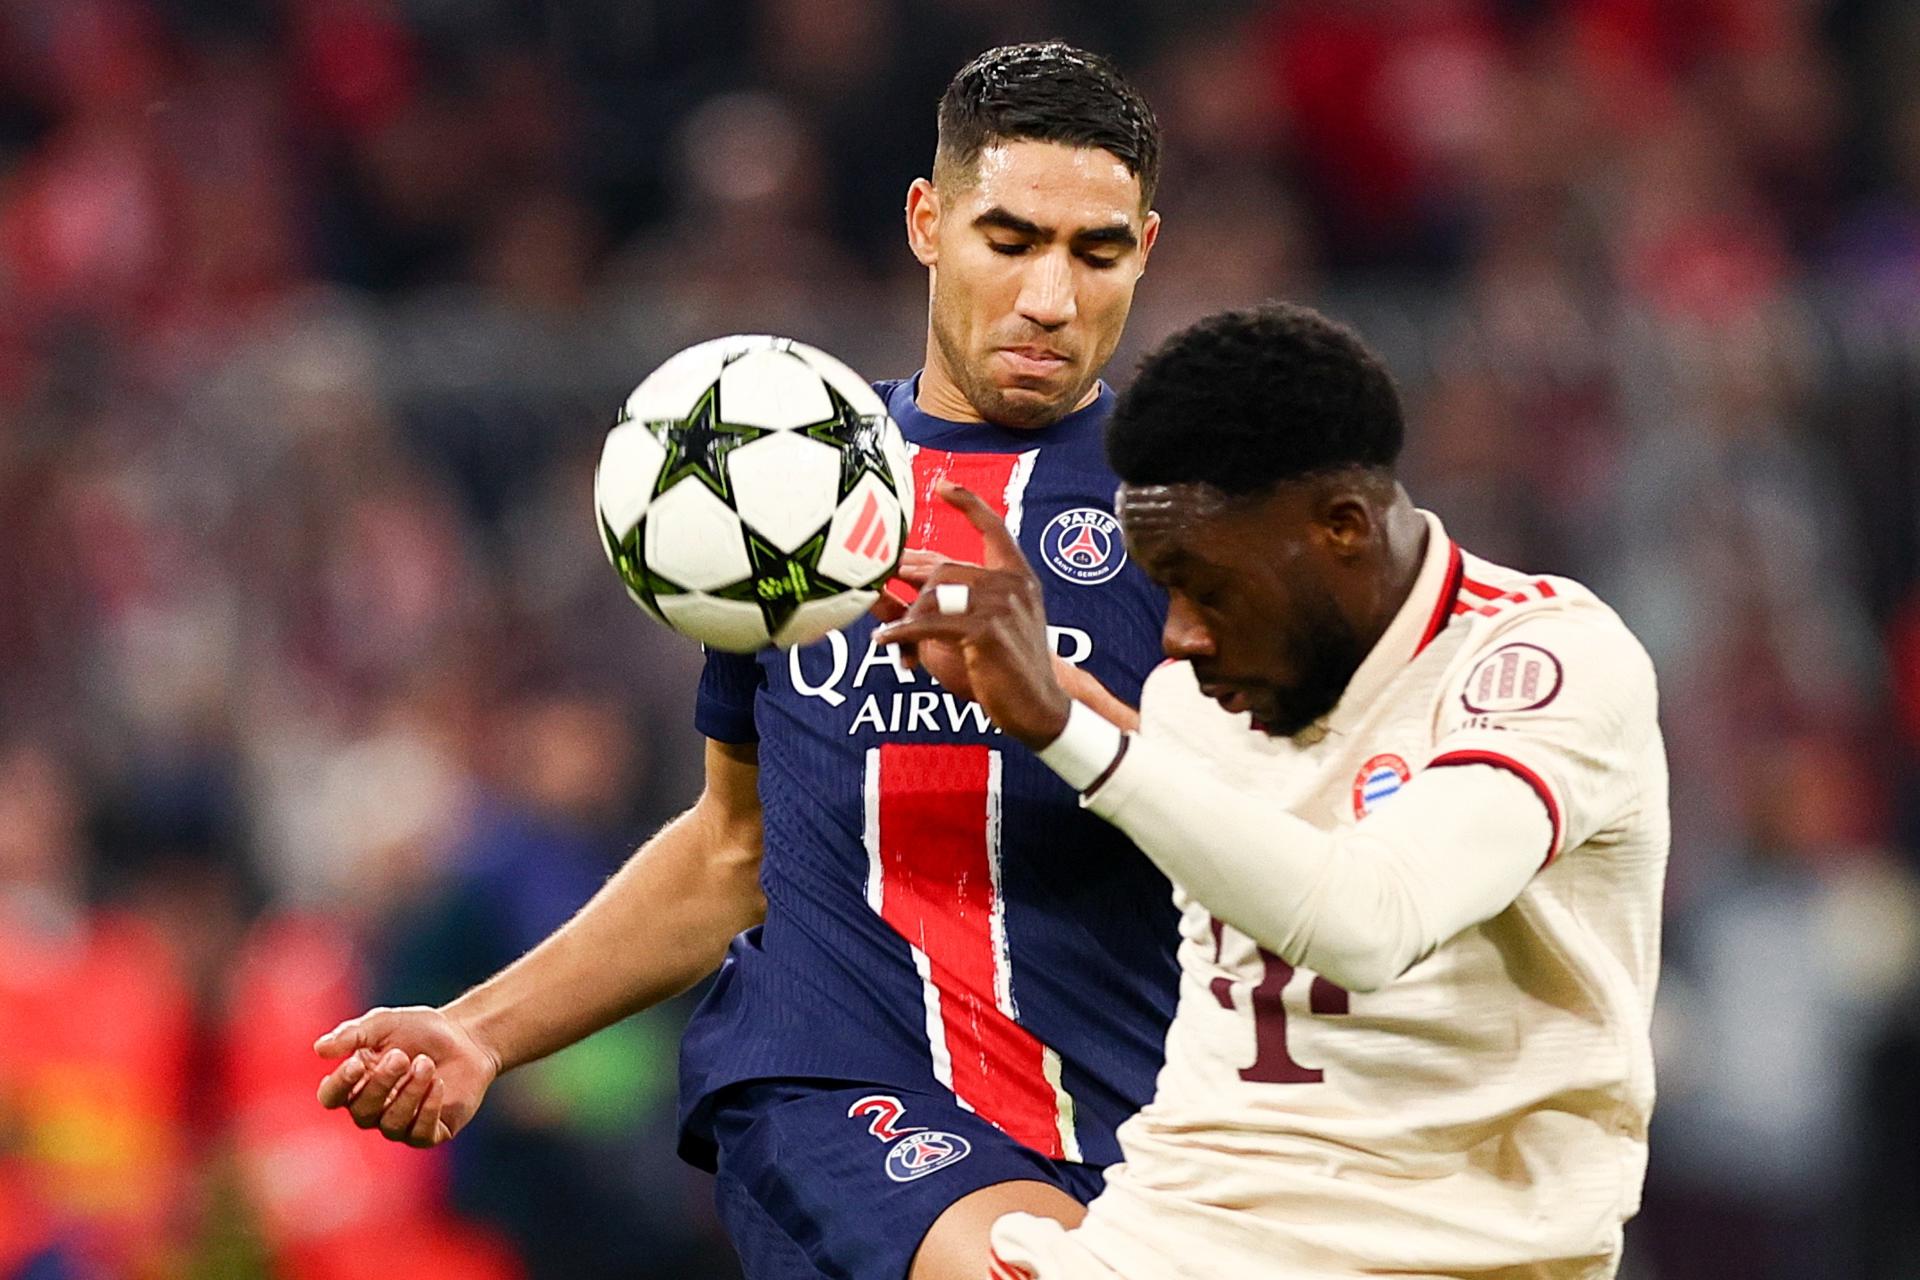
column 780, row 583
column 858, row 437
column 699, row 447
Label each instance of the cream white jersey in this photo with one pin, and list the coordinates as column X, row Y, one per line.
column 1478, row 1103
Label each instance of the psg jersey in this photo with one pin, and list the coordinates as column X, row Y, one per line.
column 940, row 909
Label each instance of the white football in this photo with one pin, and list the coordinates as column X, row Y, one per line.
column 754, row 492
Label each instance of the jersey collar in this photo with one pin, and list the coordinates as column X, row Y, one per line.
column 1428, row 609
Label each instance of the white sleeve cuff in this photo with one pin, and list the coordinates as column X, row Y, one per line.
column 1085, row 749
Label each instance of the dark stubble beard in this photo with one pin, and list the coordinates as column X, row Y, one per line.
column 1327, row 652
column 990, row 401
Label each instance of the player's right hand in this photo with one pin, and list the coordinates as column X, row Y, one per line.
column 414, row 1074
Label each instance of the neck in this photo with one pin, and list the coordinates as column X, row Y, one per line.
column 1405, row 537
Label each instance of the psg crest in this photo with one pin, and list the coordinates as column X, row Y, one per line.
column 1378, row 778
column 1083, row 545
column 923, row 1152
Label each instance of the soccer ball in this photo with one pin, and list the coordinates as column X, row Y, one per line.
column 753, row 492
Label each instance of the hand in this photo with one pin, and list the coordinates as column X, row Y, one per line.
column 414, row 1073
column 1001, row 637
column 940, row 659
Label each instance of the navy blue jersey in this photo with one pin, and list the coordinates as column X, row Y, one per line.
column 940, row 910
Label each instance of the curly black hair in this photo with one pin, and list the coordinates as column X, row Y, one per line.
column 1048, row 92
column 1244, row 400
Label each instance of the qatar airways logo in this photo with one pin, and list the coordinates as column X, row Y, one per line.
column 827, row 671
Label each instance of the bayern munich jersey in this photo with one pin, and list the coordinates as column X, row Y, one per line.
column 939, row 907
column 1483, row 1113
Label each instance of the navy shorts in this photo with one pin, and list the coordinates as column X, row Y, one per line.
column 822, row 1178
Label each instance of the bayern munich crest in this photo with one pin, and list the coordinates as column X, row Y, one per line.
column 1378, row 778
column 925, row 1151
column 1083, row 545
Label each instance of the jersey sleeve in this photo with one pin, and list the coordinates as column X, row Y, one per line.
column 1566, row 702
column 723, row 707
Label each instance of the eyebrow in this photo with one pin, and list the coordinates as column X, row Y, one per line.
column 1006, row 220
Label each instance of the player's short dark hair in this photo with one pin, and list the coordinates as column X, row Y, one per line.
column 1244, row 400
column 1048, row 92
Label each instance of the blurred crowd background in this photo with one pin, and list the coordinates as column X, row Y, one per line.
column 315, row 690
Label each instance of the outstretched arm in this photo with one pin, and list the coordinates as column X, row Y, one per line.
column 658, row 926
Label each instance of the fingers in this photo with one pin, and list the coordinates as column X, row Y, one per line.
column 427, row 1128
column 922, row 620
column 370, row 1103
column 917, row 566
column 909, row 632
column 340, row 1084
column 1002, row 550
column 403, row 1108
column 888, row 607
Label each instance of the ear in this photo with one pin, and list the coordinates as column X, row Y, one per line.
column 1149, row 235
column 923, row 221
column 1345, row 521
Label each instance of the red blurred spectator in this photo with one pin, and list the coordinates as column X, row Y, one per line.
column 93, row 1081
column 332, row 1205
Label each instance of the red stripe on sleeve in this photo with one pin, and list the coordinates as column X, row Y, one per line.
column 1004, row 1270
column 1520, row 771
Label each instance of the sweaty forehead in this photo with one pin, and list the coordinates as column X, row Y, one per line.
column 1061, row 187
column 1170, row 524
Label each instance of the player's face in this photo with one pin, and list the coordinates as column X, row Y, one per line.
column 1034, row 259
column 1250, row 599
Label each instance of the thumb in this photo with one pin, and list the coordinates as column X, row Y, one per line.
column 355, row 1033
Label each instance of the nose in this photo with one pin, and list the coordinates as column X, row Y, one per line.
column 1184, row 635
column 1046, row 291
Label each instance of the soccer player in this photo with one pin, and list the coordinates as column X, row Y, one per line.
column 1415, row 806
column 962, row 983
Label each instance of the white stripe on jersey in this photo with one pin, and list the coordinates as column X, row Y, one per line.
column 1017, row 489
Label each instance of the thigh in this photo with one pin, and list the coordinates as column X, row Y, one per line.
column 855, row 1176
column 958, row 1246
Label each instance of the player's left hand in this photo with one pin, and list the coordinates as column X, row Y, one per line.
column 1001, row 634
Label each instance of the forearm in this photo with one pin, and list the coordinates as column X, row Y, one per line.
column 659, row 925
column 1359, row 904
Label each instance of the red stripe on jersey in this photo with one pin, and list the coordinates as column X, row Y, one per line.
column 1520, row 771
column 939, row 854
column 942, row 528
column 1448, row 604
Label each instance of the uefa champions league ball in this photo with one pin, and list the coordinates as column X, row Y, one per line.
column 753, row 492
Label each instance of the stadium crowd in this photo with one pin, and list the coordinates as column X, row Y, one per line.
column 315, row 689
